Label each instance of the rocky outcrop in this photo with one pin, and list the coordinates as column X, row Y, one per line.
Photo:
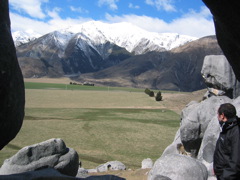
column 199, row 127
column 226, row 19
column 51, row 153
column 12, row 93
column 219, row 77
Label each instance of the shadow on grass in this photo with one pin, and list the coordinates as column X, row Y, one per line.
column 15, row 147
column 92, row 159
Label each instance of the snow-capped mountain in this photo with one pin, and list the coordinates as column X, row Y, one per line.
column 128, row 36
column 125, row 35
column 22, row 37
column 89, row 47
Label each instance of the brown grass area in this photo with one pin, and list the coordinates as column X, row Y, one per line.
column 63, row 80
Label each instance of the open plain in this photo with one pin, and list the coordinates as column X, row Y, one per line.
column 101, row 123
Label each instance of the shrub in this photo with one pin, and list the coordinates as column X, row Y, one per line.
column 147, row 91
column 151, row 94
column 158, row 96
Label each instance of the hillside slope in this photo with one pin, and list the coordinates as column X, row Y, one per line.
column 178, row 69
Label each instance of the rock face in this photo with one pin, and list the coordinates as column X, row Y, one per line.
column 178, row 167
column 226, row 19
column 195, row 119
column 219, row 76
column 52, row 153
column 12, row 93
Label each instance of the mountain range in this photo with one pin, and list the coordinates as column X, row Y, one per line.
column 117, row 55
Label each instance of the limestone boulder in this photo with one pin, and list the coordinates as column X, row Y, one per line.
column 147, row 163
column 12, row 92
column 178, row 167
column 112, row 165
column 51, row 153
column 219, row 76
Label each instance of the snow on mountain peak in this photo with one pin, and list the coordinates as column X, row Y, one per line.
column 124, row 34
column 129, row 36
column 22, row 37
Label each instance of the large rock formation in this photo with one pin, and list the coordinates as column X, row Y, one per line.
column 52, row 153
column 226, row 19
column 12, row 93
column 219, row 77
column 199, row 129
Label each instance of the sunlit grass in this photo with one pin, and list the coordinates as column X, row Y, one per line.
column 100, row 125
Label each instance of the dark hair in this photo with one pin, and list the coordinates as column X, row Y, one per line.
column 228, row 110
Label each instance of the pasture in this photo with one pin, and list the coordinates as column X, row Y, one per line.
column 101, row 123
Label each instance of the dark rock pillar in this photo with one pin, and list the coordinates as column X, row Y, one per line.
column 12, row 95
column 227, row 25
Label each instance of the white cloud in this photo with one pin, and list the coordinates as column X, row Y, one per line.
column 20, row 23
column 111, row 3
column 130, row 5
column 166, row 5
column 79, row 10
column 31, row 7
column 196, row 24
column 54, row 14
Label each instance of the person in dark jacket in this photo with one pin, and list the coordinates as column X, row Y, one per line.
column 226, row 161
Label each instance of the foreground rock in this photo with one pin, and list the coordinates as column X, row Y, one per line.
column 178, row 167
column 52, row 153
column 53, row 174
column 12, row 93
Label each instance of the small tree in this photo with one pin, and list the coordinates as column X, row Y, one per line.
column 158, row 96
column 151, row 94
column 147, row 91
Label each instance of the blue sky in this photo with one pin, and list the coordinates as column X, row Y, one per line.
column 188, row 17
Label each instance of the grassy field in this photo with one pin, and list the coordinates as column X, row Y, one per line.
column 101, row 123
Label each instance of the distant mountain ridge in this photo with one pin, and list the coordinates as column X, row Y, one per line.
column 125, row 35
column 90, row 47
column 105, row 54
column 178, row 69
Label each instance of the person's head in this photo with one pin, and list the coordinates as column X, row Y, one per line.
column 226, row 111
